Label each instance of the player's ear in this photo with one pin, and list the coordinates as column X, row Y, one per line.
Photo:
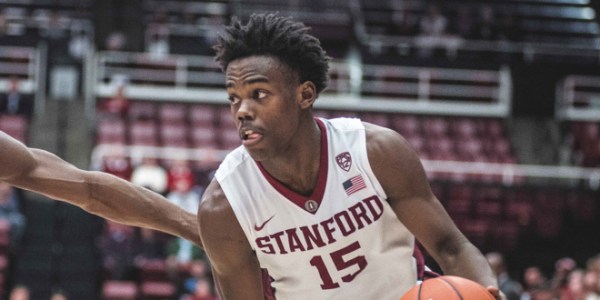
column 307, row 94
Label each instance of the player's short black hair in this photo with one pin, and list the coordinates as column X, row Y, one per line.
column 277, row 36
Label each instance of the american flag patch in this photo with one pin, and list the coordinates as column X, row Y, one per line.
column 354, row 185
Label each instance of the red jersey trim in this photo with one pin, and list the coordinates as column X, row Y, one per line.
column 319, row 190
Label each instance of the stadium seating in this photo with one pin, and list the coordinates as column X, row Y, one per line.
column 492, row 213
column 15, row 126
column 119, row 290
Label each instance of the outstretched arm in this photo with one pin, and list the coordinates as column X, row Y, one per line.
column 98, row 193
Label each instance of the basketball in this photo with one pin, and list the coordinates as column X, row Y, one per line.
column 448, row 288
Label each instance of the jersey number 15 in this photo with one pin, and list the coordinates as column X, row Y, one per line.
column 341, row 264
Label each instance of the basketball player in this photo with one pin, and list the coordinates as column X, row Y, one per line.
column 103, row 194
column 330, row 208
column 99, row 193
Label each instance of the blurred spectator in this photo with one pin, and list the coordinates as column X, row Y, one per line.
column 590, row 285
column 59, row 294
column 462, row 24
column 157, row 45
column 486, row 27
column 157, row 38
column 117, row 105
column 594, row 289
column 212, row 29
column 11, row 215
column 202, row 291
column 593, row 264
column 404, row 23
column 14, row 102
column 19, row 292
column 55, row 32
column 79, row 45
column 115, row 41
column 574, row 288
column 189, row 18
column 433, row 34
column 150, row 246
column 562, row 269
column 54, row 28
column 119, row 246
column 198, row 285
column 433, row 23
column 184, row 196
column 151, row 175
column 535, row 284
column 508, row 29
column 180, row 171
column 117, row 163
column 3, row 25
column 511, row 288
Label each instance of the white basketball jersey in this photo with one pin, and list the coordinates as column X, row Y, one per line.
column 342, row 242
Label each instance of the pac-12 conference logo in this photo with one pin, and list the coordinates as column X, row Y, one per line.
column 344, row 160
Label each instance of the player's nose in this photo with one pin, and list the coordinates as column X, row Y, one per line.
column 245, row 111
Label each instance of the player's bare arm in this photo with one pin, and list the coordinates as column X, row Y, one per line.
column 98, row 193
column 402, row 177
column 235, row 265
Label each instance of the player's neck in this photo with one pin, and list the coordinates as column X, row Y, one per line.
column 299, row 168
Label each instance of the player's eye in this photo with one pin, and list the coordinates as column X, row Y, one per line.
column 233, row 99
column 259, row 94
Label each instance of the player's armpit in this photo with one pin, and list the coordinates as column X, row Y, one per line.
column 234, row 263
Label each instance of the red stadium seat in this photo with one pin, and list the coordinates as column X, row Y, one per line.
column 376, row 118
column 111, row 131
column 142, row 110
column 203, row 137
column 172, row 113
column 202, row 115
column 119, row 290
column 505, row 235
column 434, row 127
column 15, row 126
column 174, row 135
column 441, row 148
column 492, row 128
column 469, row 149
column 477, row 230
column 157, row 290
column 153, row 270
column 226, row 119
column 464, row 128
column 406, row 125
column 230, row 138
column 143, row 133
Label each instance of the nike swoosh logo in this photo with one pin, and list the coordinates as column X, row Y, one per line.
column 259, row 228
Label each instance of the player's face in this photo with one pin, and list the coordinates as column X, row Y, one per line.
column 263, row 96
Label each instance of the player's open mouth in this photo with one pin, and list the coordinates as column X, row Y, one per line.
column 250, row 137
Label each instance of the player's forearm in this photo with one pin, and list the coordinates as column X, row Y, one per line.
column 118, row 200
column 100, row 193
column 467, row 261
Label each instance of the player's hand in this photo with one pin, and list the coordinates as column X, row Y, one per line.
column 496, row 293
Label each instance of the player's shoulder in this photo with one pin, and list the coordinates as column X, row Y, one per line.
column 232, row 162
column 343, row 124
column 214, row 203
column 385, row 142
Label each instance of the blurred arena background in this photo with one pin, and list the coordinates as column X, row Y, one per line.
column 501, row 100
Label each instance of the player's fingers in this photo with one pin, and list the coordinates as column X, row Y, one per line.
column 496, row 293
